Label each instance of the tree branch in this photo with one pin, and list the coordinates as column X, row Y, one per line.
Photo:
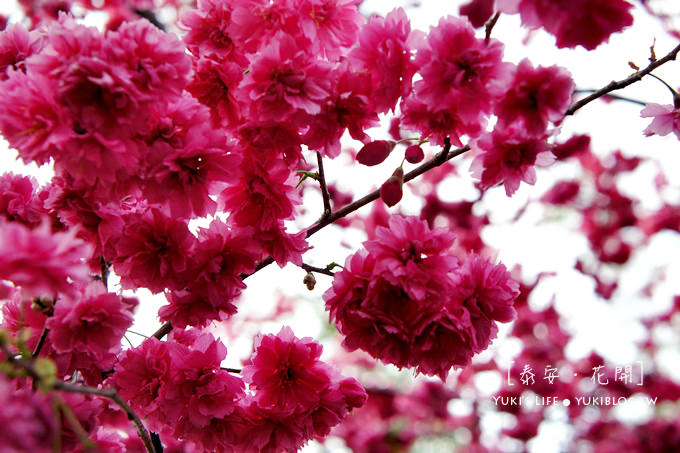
column 324, row 188
column 614, row 85
column 41, row 341
column 318, row 270
column 109, row 393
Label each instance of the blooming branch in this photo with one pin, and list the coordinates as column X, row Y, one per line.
column 43, row 381
column 617, row 85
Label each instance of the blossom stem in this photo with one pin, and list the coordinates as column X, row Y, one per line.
column 41, row 341
column 318, row 270
column 108, row 393
column 617, row 85
column 324, row 188
column 489, row 26
column 612, row 96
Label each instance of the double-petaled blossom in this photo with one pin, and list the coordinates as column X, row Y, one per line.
column 19, row 200
column 27, row 420
column 536, row 96
column 459, row 71
column 384, row 52
column 283, row 80
column 331, row 26
column 406, row 301
column 508, row 156
column 187, row 160
column 587, row 23
column 41, row 262
column 17, row 44
column 92, row 322
column 292, row 396
column 152, row 250
column 348, row 108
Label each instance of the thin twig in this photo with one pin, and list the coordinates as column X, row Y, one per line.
column 324, row 188
column 231, row 370
column 612, row 96
column 489, row 26
column 318, row 270
column 617, row 85
column 109, row 393
column 41, row 341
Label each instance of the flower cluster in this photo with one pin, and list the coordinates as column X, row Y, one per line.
column 407, row 301
column 285, row 397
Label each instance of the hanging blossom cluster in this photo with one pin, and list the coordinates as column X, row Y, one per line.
column 285, row 396
column 406, row 300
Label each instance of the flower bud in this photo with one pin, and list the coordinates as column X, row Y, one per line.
column 414, row 154
column 375, row 152
column 391, row 190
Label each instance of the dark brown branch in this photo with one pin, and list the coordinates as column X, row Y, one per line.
column 41, row 341
column 324, row 188
column 617, row 85
column 109, row 393
column 163, row 330
column 231, row 370
column 489, row 26
column 318, row 270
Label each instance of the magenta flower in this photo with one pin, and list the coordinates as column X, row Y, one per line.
column 459, row 71
column 403, row 299
column 286, row 372
column 666, row 119
column 42, row 263
column 151, row 251
column 208, row 32
column 384, row 52
column 588, row 23
column 509, row 156
column 264, row 194
column 284, row 80
column 331, row 26
column 16, row 45
column 27, row 420
column 19, row 201
column 140, row 377
column 93, row 322
column 536, row 97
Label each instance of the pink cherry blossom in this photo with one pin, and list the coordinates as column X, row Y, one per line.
column 666, row 119
column 27, row 420
column 536, row 96
column 331, row 26
column 16, row 45
column 285, row 372
column 459, row 71
column 93, row 322
column 509, row 156
column 588, row 23
column 152, row 251
column 208, row 32
column 213, row 85
column 348, row 108
column 283, row 80
column 19, row 201
column 384, row 52
column 42, row 263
